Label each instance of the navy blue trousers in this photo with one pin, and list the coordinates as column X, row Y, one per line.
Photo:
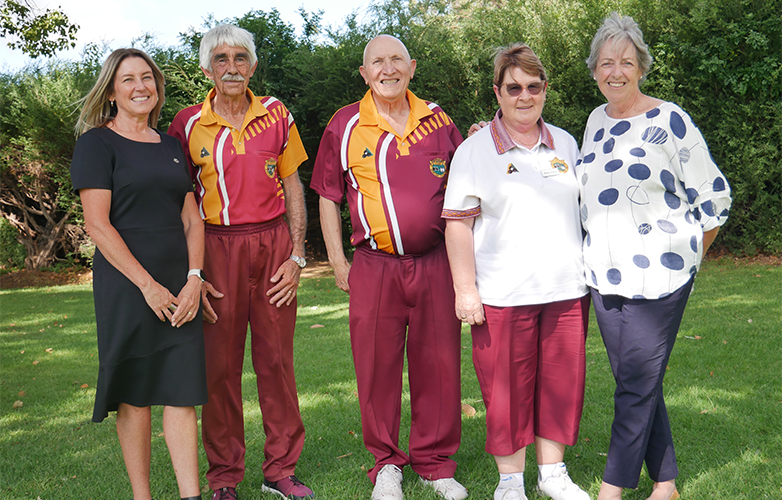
column 639, row 336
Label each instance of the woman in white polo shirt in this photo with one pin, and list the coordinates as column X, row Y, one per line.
column 514, row 237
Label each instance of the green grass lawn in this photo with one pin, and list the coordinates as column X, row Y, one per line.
column 723, row 391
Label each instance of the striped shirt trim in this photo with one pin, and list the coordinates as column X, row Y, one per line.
column 470, row 213
column 383, row 167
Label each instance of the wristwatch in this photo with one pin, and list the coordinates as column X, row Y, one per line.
column 300, row 261
column 196, row 272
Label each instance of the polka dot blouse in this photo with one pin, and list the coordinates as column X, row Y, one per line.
column 649, row 190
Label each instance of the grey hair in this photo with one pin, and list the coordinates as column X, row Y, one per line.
column 228, row 34
column 620, row 28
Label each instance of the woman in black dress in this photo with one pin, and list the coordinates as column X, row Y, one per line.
column 140, row 211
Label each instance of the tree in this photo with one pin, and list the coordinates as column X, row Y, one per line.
column 38, row 33
column 36, row 145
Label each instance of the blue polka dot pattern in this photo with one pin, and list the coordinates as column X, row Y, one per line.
column 672, row 200
column 641, row 261
column 655, row 135
column 678, row 127
column 649, row 184
column 620, row 128
column 666, row 226
column 668, row 180
column 614, row 276
column 608, row 197
column 639, row 171
column 672, row 260
column 613, row 165
column 645, row 228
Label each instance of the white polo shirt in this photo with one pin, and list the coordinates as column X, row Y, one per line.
column 527, row 231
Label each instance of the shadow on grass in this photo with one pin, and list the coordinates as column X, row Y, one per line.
column 722, row 390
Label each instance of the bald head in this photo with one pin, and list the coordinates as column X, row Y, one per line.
column 385, row 40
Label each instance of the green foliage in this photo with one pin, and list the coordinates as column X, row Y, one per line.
column 38, row 33
column 12, row 253
column 723, row 400
column 720, row 60
column 36, row 145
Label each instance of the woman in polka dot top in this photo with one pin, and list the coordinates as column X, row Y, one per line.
column 652, row 201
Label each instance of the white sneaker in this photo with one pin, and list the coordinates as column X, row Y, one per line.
column 448, row 488
column 559, row 486
column 509, row 494
column 388, row 484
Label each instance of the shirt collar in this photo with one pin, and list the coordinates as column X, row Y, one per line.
column 503, row 141
column 209, row 117
column 369, row 116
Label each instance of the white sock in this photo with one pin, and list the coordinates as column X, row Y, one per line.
column 545, row 471
column 514, row 480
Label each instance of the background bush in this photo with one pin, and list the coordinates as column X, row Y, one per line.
column 720, row 60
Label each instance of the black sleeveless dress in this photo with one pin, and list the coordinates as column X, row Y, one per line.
column 143, row 361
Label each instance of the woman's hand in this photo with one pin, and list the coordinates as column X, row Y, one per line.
column 469, row 308
column 187, row 302
column 160, row 300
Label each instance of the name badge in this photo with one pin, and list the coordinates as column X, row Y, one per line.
column 550, row 172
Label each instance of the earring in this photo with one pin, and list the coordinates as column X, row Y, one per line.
column 111, row 103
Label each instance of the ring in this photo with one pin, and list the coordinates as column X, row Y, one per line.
column 189, row 313
column 464, row 317
column 289, row 292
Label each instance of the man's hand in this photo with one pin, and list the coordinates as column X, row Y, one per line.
column 286, row 281
column 209, row 313
column 476, row 127
column 341, row 273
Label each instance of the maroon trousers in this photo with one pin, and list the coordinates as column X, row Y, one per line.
column 399, row 302
column 239, row 261
column 530, row 361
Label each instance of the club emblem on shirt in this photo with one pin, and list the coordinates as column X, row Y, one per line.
column 271, row 167
column 204, row 152
column 367, row 153
column 559, row 165
column 512, row 169
column 438, row 168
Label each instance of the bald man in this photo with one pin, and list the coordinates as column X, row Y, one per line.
column 389, row 154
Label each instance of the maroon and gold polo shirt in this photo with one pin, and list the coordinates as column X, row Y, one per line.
column 394, row 185
column 237, row 172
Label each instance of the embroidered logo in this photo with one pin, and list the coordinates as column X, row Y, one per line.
column 271, row 167
column 367, row 152
column 559, row 165
column 438, row 167
column 512, row 169
column 204, row 152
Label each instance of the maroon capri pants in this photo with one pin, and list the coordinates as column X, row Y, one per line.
column 410, row 298
column 240, row 261
column 530, row 362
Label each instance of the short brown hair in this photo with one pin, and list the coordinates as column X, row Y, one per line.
column 517, row 55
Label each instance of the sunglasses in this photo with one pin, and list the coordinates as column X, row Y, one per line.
column 515, row 89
